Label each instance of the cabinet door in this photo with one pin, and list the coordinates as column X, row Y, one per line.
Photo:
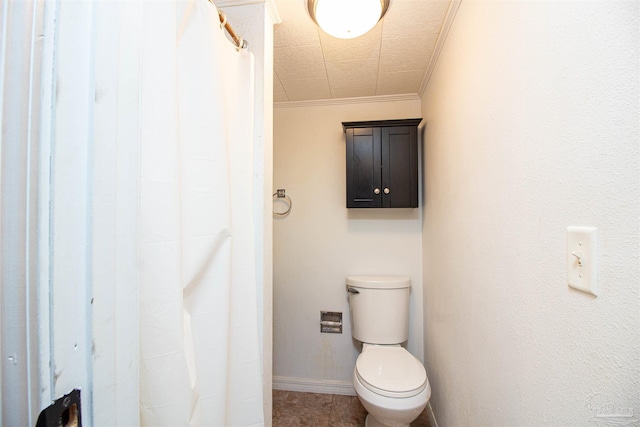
column 363, row 168
column 399, row 167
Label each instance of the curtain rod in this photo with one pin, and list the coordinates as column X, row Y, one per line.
column 237, row 40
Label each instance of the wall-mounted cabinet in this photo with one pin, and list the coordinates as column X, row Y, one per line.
column 382, row 163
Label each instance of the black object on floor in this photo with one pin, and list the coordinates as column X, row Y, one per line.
column 63, row 412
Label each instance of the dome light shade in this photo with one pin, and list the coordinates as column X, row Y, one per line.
column 347, row 19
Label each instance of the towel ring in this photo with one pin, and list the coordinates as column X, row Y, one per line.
column 281, row 193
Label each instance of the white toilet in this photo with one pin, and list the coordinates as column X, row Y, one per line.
column 390, row 382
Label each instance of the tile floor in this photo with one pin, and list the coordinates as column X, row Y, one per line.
column 291, row 408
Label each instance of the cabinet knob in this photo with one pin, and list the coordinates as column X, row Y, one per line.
column 376, row 191
column 386, row 190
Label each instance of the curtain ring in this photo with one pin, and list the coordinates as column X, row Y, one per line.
column 224, row 19
column 282, row 195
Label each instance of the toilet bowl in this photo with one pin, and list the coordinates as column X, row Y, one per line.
column 390, row 382
column 392, row 385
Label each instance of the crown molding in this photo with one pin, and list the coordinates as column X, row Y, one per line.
column 346, row 101
column 232, row 3
column 273, row 11
column 446, row 26
column 270, row 5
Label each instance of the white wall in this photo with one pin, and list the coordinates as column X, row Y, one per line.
column 321, row 242
column 532, row 126
column 69, row 165
column 21, row 51
column 91, row 250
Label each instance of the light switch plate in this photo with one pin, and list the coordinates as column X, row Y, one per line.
column 581, row 259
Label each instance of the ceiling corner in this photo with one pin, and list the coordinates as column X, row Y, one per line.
column 442, row 37
column 273, row 11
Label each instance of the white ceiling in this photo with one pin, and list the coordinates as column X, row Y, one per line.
column 391, row 59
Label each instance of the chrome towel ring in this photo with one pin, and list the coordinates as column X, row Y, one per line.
column 281, row 194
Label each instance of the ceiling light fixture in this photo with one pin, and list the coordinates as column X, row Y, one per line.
column 347, row 19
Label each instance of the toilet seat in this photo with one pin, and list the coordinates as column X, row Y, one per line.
column 390, row 371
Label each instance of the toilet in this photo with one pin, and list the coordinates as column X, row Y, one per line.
column 389, row 381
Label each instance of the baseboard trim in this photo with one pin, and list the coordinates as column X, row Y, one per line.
column 432, row 417
column 313, row 385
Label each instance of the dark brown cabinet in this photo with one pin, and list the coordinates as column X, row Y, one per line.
column 382, row 163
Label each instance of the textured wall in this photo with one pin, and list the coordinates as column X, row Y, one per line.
column 532, row 126
column 321, row 241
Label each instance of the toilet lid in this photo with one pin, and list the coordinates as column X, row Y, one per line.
column 391, row 370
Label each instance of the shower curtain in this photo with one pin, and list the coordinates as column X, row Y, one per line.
column 200, row 355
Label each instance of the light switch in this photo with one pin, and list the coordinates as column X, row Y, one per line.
column 581, row 259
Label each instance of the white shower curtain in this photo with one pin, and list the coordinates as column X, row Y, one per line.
column 200, row 355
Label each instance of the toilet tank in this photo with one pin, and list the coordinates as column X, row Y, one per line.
column 379, row 308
